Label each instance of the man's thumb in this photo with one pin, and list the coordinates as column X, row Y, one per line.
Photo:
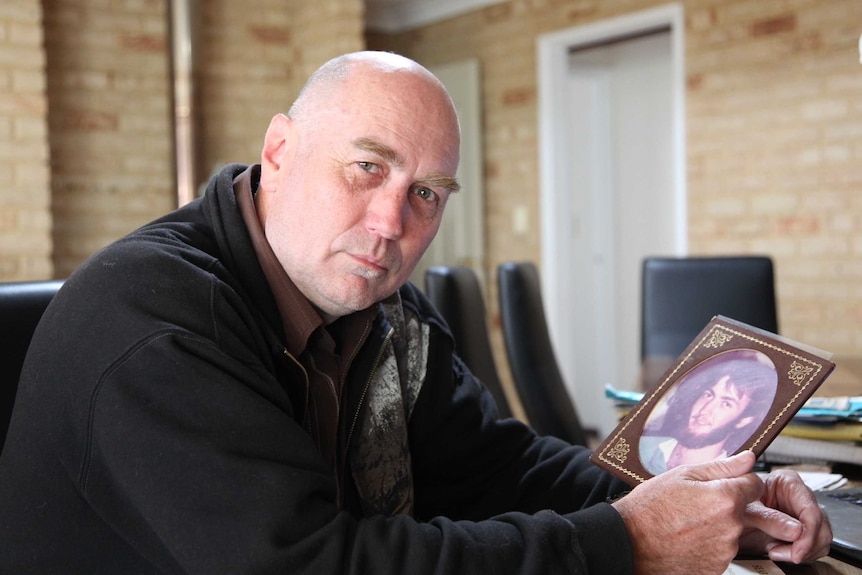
column 724, row 468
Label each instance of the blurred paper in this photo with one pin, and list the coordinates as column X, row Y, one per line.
column 753, row 567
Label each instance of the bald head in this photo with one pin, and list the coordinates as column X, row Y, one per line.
column 355, row 178
column 345, row 72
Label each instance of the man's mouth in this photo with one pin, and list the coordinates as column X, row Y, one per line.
column 700, row 422
column 370, row 266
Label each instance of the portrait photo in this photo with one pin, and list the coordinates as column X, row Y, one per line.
column 710, row 412
column 734, row 388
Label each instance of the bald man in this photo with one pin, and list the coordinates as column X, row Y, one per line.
column 249, row 385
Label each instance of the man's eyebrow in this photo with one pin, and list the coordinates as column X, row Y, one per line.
column 381, row 150
column 391, row 156
column 733, row 394
column 443, row 181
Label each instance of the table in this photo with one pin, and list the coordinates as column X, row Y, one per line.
column 824, row 566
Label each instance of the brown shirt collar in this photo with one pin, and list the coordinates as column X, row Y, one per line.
column 298, row 316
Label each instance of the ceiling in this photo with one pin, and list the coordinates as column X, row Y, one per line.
column 401, row 15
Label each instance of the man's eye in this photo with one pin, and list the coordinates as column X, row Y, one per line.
column 368, row 166
column 426, row 194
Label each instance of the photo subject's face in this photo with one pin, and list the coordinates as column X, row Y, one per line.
column 716, row 410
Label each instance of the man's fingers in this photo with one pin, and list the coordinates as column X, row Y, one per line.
column 787, row 524
column 774, row 523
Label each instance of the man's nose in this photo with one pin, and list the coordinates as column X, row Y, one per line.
column 706, row 408
column 386, row 211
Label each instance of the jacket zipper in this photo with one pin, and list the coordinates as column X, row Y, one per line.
column 374, row 367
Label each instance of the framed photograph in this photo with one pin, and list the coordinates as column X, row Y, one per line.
column 732, row 389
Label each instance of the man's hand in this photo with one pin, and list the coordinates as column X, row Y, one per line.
column 787, row 523
column 690, row 518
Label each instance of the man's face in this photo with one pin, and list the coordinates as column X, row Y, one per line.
column 360, row 190
column 715, row 413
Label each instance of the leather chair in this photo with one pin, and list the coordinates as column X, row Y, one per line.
column 21, row 308
column 537, row 375
column 457, row 294
column 681, row 295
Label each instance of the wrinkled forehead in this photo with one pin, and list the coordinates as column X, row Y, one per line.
column 400, row 106
column 411, row 90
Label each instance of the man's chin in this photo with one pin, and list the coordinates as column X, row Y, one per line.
column 355, row 301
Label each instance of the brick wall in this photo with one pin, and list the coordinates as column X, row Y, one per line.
column 109, row 121
column 775, row 153
column 774, row 109
column 254, row 63
column 92, row 85
column 774, row 118
column 25, row 197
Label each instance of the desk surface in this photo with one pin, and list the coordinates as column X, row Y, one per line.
column 825, row 566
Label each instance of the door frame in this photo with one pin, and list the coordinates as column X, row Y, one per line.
column 556, row 182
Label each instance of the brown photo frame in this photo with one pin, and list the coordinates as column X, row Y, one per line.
column 732, row 389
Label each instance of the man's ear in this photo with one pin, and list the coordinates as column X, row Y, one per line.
column 276, row 151
column 745, row 421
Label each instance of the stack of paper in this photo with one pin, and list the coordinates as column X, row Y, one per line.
column 820, row 480
column 835, row 418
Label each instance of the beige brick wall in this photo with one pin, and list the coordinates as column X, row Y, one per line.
column 25, row 197
column 92, row 85
column 109, row 122
column 774, row 118
column 774, row 110
column 775, row 153
column 254, row 62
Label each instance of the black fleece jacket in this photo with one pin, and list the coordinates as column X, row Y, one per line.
column 157, row 429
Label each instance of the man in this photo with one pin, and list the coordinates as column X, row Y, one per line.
column 714, row 410
column 247, row 385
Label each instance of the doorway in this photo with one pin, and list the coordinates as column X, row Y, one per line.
column 613, row 190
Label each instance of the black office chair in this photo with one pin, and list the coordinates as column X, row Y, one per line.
column 537, row 375
column 21, row 308
column 456, row 293
column 680, row 296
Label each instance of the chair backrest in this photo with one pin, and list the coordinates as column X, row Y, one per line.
column 537, row 375
column 21, row 308
column 457, row 294
column 680, row 295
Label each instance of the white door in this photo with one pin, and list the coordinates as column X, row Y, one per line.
column 624, row 202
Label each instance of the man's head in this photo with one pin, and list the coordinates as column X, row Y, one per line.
column 717, row 411
column 722, row 401
column 354, row 180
